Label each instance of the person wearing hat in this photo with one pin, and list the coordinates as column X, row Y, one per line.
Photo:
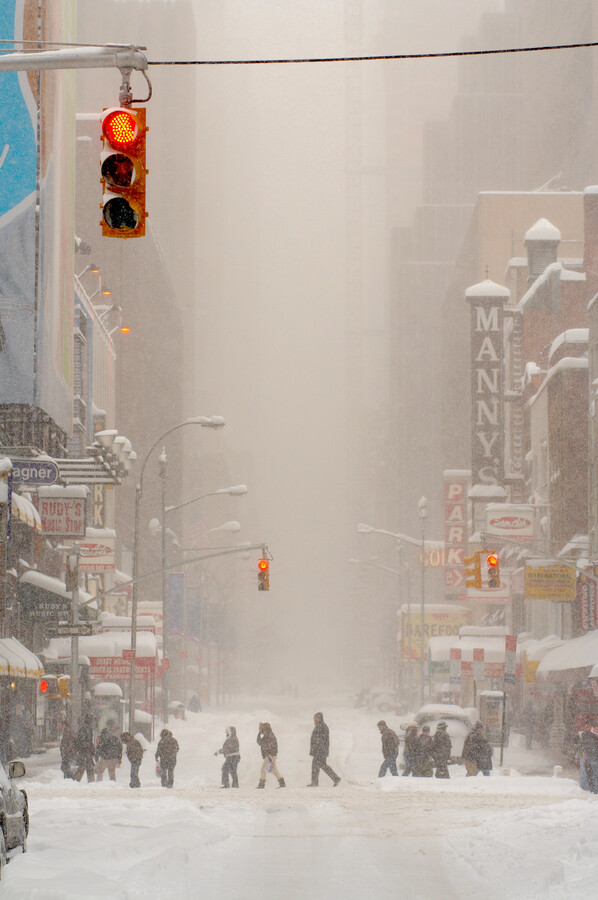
column 410, row 751
column 424, row 750
column 319, row 749
column 390, row 749
column 442, row 750
column 477, row 752
column 166, row 754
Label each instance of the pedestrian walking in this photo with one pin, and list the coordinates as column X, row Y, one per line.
column 68, row 754
column 390, row 749
column 319, row 750
column 441, row 750
column 85, row 751
column 166, row 753
column 410, row 751
column 269, row 747
column 230, row 750
column 424, row 767
column 109, row 753
column 589, row 746
column 134, row 754
column 584, row 781
column 477, row 752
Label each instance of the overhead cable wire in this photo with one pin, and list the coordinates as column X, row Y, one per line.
column 376, row 57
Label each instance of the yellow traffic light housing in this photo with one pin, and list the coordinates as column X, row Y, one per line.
column 123, row 172
column 263, row 575
column 473, row 571
column 493, row 564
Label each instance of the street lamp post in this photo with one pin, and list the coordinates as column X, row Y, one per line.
column 163, row 460
column 205, row 422
column 423, row 512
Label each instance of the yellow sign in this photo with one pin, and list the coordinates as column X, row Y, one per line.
column 436, row 624
column 552, row 582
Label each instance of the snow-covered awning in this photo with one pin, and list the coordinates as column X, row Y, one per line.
column 23, row 510
column 573, row 656
column 16, row 661
column 493, row 647
column 52, row 585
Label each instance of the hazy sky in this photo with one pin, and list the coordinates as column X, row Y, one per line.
column 302, row 173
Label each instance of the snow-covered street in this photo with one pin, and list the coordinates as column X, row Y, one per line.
column 507, row 836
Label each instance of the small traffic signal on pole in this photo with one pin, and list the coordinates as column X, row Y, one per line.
column 123, row 172
column 493, row 570
column 263, row 575
column 473, row 571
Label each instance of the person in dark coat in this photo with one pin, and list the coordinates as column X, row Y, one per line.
column 166, row 753
column 319, row 750
column 85, row 751
column 269, row 747
column 390, row 749
column 68, row 754
column 589, row 748
column 477, row 752
column 441, row 750
column 410, row 752
column 109, row 754
column 424, row 754
column 134, row 754
column 230, row 750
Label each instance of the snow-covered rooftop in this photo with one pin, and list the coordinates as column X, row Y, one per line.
column 487, row 288
column 543, row 230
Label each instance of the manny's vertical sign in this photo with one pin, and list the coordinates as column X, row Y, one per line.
column 487, row 301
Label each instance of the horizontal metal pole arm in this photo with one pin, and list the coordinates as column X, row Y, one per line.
column 225, row 552
column 129, row 57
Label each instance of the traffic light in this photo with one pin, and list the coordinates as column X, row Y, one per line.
column 473, row 571
column 493, row 570
column 123, row 172
column 263, row 575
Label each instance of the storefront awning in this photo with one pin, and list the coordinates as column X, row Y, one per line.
column 46, row 598
column 23, row 510
column 573, row 656
column 16, row 661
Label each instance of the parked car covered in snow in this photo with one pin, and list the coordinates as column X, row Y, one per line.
column 14, row 812
column 457, row 719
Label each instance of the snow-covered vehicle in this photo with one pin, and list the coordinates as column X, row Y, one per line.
column 14, row 812
column 457, row 719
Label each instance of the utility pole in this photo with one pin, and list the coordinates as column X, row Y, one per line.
column 423, row 512
column 72, row 585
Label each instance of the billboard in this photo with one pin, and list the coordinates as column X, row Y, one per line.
column 440, row 619
column 36, row 217
column 510, row 521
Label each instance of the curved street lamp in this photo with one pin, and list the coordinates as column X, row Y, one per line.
column 205, row 422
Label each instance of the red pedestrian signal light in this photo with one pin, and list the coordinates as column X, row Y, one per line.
column 263, row 575
column 493, row 570
column 43, row 686
column 123, row 172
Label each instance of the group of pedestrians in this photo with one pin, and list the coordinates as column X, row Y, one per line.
column 426, row 755
column 268, row 743
column 79, row 753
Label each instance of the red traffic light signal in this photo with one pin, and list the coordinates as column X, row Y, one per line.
column 43, row 686
column 263, row 575
column 493, row 570
column 123, row 172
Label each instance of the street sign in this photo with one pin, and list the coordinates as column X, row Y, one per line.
column 510, row 658
column 34, row 471
column 83, row 629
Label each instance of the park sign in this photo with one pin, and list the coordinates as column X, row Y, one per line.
column 549, row 581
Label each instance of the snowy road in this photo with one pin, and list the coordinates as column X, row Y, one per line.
column 519, row 837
